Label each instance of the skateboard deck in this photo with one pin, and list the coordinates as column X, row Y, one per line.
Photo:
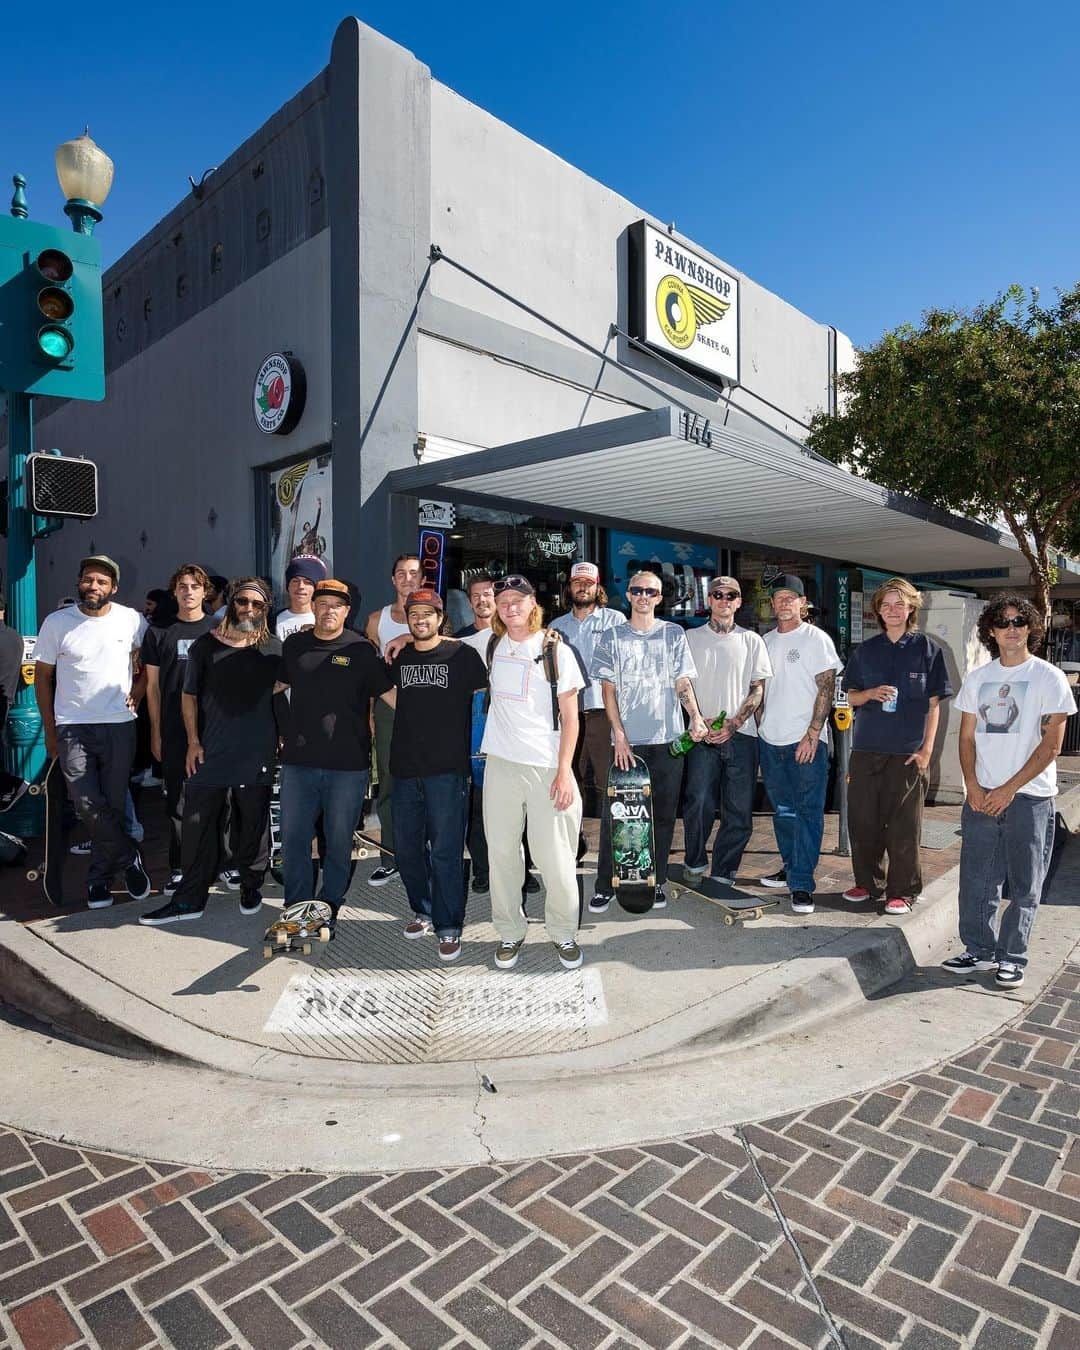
column 633, row 846
column 275, row 827
column 297, row 927
column 736, row 906
column 51, row 871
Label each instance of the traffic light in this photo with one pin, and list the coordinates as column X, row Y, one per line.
column 51, row 326
column 60, row 485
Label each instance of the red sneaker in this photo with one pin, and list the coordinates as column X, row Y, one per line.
column 897, row 904
column 856, row 895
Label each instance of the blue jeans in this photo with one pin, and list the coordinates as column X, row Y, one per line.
column 724, row 775
column 1014, row 847
column 430, row 816
column 336, row 794
column 797, row 792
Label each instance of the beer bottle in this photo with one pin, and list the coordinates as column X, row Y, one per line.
column 681, row 744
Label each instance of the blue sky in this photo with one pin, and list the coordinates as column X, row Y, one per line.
column 864, row 161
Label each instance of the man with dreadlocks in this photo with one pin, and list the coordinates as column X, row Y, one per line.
column 228, row 711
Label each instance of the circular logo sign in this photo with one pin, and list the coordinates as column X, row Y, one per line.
column 277, row 399
column 675, row 311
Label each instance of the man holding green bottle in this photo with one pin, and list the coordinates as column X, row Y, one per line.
column 721, row 771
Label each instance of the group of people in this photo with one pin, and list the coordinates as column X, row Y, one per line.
column 487, row 736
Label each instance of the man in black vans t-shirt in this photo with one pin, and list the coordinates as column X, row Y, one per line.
column 332, row 673
column 435, row 678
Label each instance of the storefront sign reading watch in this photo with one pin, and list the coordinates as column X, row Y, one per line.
column 277, row 400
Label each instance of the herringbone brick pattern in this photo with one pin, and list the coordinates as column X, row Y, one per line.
column 943, row 1210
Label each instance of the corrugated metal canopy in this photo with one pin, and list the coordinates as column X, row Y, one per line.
column 676, row 474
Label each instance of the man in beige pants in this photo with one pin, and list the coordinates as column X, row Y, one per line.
column 529, row 744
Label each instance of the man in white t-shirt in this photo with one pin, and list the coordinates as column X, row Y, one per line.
column 84, row 686
column 794, row 741
column 529, row 742
column 1013, row 715
column 302, row 575
column 732, row 667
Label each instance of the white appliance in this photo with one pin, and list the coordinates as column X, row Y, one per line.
column 952, row 620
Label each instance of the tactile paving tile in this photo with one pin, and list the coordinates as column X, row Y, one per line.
column 373, row 996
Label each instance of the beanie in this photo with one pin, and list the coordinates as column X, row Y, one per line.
column 306, row 565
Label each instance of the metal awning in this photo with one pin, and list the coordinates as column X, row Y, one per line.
column 673, row 473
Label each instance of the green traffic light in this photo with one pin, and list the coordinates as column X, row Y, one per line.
column 56, row 343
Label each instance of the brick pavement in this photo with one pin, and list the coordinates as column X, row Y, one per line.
column 942, row 1210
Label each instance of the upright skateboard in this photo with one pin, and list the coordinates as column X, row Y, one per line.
column 51, row 871
column 275, row 827
column 296, row 927
column 736, row 907
column 633, row 847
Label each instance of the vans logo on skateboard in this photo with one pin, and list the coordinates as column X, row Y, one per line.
column 629, row 811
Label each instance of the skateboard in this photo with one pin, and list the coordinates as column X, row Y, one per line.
column 737, row 908
column 633, row 848
column 297, row 927
column 51, row 871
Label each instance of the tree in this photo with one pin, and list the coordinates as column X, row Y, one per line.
column 977, row 413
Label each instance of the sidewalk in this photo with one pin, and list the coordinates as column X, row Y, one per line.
column 941, row 1211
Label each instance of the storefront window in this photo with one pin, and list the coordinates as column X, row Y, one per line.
column 299, row 504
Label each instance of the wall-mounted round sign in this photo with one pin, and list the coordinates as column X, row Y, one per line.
column 277, row 399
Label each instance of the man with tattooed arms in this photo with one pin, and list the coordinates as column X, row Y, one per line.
column 794, row 738
column 721, row 771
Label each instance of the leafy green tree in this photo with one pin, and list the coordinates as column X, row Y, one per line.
column 977, row 413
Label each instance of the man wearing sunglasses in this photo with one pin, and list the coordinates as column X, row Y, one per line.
column 732, row 667
column 646, row 669
column 228, row 711
column 1009, row 765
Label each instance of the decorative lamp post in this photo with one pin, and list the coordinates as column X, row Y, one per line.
column 85, row 172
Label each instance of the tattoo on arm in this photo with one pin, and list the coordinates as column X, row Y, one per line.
column 750, row 703
column 826, row 686
column 685, row 691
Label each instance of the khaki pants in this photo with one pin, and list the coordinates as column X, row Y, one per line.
column 512, row 793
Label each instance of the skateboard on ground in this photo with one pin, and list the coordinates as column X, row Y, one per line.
column 736, row 907
column 297, row 927
column 51, row 871
column 633, row 846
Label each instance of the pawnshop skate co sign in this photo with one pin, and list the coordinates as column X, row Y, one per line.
column 277, row 398
column 683, row 304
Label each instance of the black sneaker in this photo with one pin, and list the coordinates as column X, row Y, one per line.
column 99, row 896
column 136, row 879
column 1008, row 975
column 601, row 902
column 660, row 898
column 481, row 885
column 250, row 901
column 381, row 875
column 532, row 884
column 966, row 963
column 173, row 883
column 230, row 879
column 12, row 795
column 802, row 902
column 176, row 911
column 776, row 881
column 569, row 954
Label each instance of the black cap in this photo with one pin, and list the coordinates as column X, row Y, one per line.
column 789, row 582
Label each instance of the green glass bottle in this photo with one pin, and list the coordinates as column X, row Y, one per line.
column 681, row 744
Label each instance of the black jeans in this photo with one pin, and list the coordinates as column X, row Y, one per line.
column 201, row 843
column 95, row 759
column 665, row 771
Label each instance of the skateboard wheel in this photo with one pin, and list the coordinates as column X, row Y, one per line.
column 324, row 934
column 306, row 949
column 610, row 791
column 729, row 920
column 359, row 853
column 36, row 789
column 281, row 939
column 268, row 952
column 615, row 883
column 756, row 914
column 646, row 789
column 33, row 875
column 651, row 880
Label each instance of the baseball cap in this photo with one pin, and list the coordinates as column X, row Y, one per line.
column 587, row 570
column 788, row 582
column 424, row 596
column 307, row 565
column 730, row 582
column 515, row 582
column 102, row 561
column 338, row 589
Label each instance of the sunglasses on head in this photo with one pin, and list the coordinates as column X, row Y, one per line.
column 514, row 583
column 644, row 590
column 725, row 595
column 1015, row 622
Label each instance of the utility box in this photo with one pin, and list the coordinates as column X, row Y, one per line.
column 952, row 621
